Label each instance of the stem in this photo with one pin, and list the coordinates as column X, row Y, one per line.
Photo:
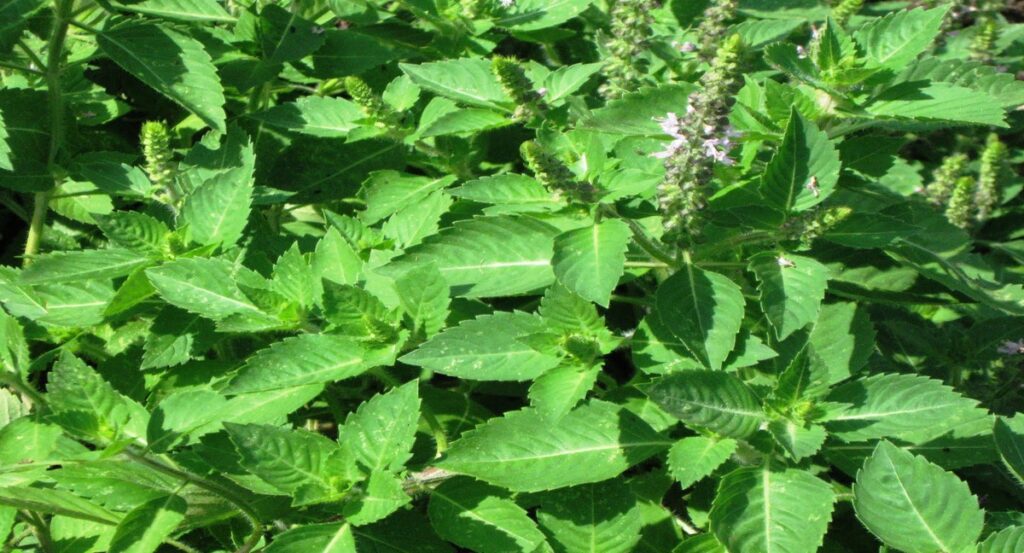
column 212, row 487
column 28, row 392
column 54, row 58
column 32, row 56
column 42, row 531
column 19, row 67
column 646, row 265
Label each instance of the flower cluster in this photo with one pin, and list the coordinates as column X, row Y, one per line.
column 811, row 225
column 700, row 139
column 554, row 174
column 714, row 26
column 846, row 8
column 156, row 150
column 987, row 196
column 944, row 178
column 517, row 85
column 372, row 105
column 630, row 30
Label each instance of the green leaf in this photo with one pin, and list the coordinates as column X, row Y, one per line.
column 387, row 192
column 1007, row 540
column 937, row 102
column 413, row 223
column 589, row 261
column 185, row 414
column 209, row 11
column 86, row 404
column 909, row 407
column 702, row 310
column 383, row 495
column 315, row 538
column 523, row 451
column 913, row 505
column 466, row 80
column 423, row 294
column 799, row 440
column 557, row 391
column 336, row 260
column 146, row 527
column 487, row 256
column 57, row 502
column 81, row 265
column 804, row 170
column 315, row 115
column 5, row 149
column 135, row 231
column 601, row 517
column 758, row 509
column 693, row 458
column 530, row 15
column 308, row 466
column 300, row 361
column 15, row 15
column 841, row 341
column 294, row 279
column 25, row 441
column 285, row 36
column 868, row 231
column 1009, row 438
column 509, row 192
column 791, row 287
column 488, row 347
column 715, row 400
column 406, row 531
column 174, row 64
column 380, row 433
column 898, row 38
column 202, row 286
column 482, row 518
column 635, row 113
column 469, row 120
column 218, row 210
column 350, row 52
column 567, row 79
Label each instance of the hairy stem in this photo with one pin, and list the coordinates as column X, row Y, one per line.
column 55, row 99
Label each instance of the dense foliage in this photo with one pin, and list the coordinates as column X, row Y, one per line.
column 511, row 276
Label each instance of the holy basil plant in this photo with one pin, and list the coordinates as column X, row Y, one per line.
column 511, row 276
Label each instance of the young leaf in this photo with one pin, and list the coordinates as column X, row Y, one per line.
column 217, row 211
column 86, row 404
column 523, row 451
column 482, row 518
column 508, row 192
column 758, row 509
column 593, row 517
column 696, row 457
column 174, row 64
column 384, row 495
column 715, row 400
column 423, row 293
column 380, row 433
column 336, row 260
column 798, row 440
column 590, row 260
column 308, row 466
column 489, row 347
column 487, row 256
column 804, row 170
column 5, row 149
column 792, row 288
column 300, row 361
column 146, row 527
column 557, row 391
column 913, row 505
column 185, row 414
column 387, row 192
column 703, row 310
column 321, row 538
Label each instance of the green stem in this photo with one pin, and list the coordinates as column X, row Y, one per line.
column 42, row 531
column 55, row 96
column 646, row 265
column 214, row 488
column 14, row 381
column 32, row 56
column 19, row 67
column 645, row 242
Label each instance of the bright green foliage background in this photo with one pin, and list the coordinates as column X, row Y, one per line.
column 334, row 315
